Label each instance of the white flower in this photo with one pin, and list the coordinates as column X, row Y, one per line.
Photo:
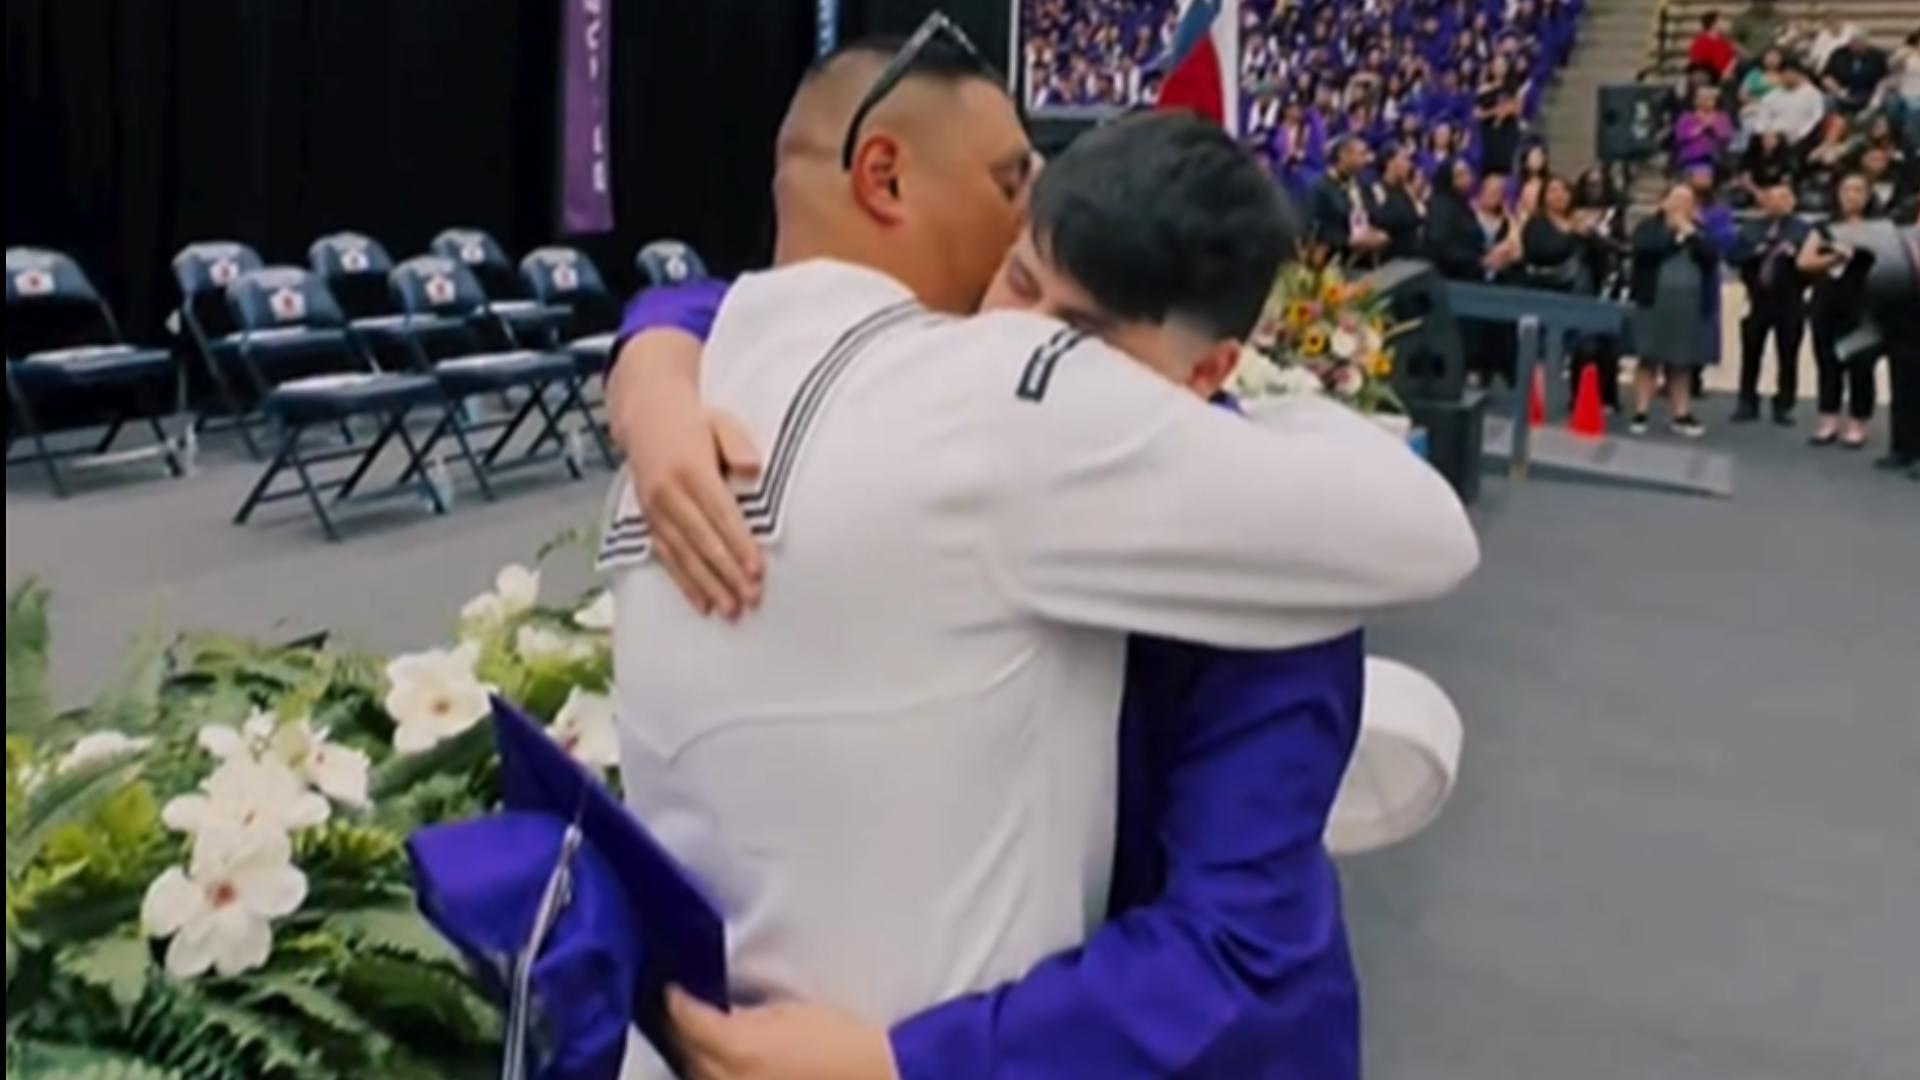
column 1345, row 344
column 537, row 644
column 1372, row 341
column 99, row 747
column 434, row 696
column 338, row 772
column 1300, row 381
column 250, row 738
column 248, row 793
column 1348, row 380
column 516, row 590
column 220, row 910
column 585, row 729
column 596, row 616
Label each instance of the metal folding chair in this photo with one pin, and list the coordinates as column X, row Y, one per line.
column 566, row 277
column 203, row 272
column 309, row 370
column 69, row 368
column 480, row 368
column 669, row 262
column 531, row 323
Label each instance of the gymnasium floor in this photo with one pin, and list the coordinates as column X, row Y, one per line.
column 1686, row 844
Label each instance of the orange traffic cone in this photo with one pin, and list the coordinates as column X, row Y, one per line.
column 1537, row 398
column 1588, row 420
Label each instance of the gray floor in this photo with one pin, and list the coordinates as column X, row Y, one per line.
column 1686, row 844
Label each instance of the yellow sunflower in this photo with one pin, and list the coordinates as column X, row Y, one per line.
column 1299, row 314
column 1334, row 294
column 1380, row 365
column 1314, row 341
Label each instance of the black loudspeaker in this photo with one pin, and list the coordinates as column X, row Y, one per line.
column 1630, row 122
column 1429, row 370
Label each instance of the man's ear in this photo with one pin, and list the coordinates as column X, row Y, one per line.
column 876, row 177
column 1215, row 368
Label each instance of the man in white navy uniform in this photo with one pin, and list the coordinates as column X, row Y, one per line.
column 898, row 777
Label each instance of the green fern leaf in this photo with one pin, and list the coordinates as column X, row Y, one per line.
column 369, row 1043
column 434, row 995
column 65, row 799
column 46, row 1061
column 29, row 703
column 131, row 703
column 460, row 755
column 117, row 965
column 181, row 1027
column 397, row 930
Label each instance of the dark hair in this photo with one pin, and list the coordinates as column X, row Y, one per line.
column 1163, row 215
column 1710, row 20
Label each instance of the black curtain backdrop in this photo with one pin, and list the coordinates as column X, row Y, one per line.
column 135, row 127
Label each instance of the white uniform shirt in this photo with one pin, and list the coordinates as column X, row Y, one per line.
column 898, row 776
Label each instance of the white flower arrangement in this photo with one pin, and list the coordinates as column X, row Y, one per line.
column 597, row 616
column 435, row 696
column 97, row 747
column 537, row 645
column 516, row 591
column 585, row 729
column 220, row 910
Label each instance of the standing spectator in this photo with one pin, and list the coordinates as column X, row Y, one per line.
column 1768, row 255
column 1712, row 49
column 1536, row 167
column 1722, row 230
column 1398, row 209
column 1672, row 261
column 1793, row 110
column 1853, row 74
column 1454, row 241
column 1494, row 348
column 1705, row 134
column 1758, row 28
column 1600, row 215
column 1837, row 309
column 1299, row 149
column 1553, row 241
column 1337, row 207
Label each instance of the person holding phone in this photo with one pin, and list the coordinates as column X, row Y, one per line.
column 1838, row 308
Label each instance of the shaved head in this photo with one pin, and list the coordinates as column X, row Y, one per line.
column 935, row 192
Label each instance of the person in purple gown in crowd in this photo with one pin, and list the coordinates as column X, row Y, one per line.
column 1298, row 149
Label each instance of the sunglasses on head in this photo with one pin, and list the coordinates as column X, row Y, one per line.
column 936, row 26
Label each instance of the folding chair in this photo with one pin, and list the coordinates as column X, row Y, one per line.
column 437, row 287
column 532, row 323
column 561, row 276
column 309, row 370
column 69, row 368
column 359, row 273
column 203, row 272
column 669, row 262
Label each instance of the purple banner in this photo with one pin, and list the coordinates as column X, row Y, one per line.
column 586, row 136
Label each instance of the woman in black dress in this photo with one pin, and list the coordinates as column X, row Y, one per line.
column 1673, row 265
column 1839, row 305
column 1496, row 105
column 1455, row 243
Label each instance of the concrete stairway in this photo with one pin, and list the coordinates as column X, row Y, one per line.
column 1887, row 22
column 1616, row 39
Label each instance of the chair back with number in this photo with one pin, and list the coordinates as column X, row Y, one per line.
column 480, row 253
column 51, row 304
column 355, row 268
column 289, row 326
column 203, row 273
column 568, row 277
column 669, row 262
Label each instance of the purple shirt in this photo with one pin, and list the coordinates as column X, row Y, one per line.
column 1226, row 956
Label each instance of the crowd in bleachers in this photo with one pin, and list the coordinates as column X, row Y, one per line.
column 1767, row 99
column 1095, row 52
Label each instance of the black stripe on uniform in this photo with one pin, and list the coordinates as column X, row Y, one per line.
column 1038, row 373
